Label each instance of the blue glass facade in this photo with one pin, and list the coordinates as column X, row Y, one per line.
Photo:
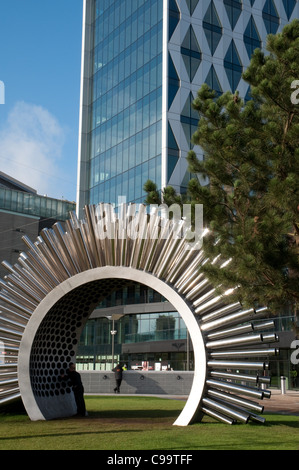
column 126, row 102
column 143, row 63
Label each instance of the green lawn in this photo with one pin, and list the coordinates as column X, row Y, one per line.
column 138, row 423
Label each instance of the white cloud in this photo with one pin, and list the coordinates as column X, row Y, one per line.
column 31, row 143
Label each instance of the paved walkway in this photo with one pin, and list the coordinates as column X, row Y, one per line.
column 287, row 404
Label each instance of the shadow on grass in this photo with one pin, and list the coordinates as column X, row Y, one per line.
column 133, row 414
column 68, row 434
column 14, row 408
column 281, row 420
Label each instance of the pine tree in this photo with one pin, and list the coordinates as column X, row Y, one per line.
column 251, row 167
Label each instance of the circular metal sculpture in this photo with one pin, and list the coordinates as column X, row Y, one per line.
column 48, row 296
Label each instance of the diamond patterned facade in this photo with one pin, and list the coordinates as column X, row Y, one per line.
column 226, row 33
column 141, row 63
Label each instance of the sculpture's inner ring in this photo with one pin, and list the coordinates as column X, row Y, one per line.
column 50, row 340
column 55, row 343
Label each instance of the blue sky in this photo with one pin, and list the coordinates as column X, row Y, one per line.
column 40, row 64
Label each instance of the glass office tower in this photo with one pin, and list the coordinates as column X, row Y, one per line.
column 122, row 145
column 143, row 62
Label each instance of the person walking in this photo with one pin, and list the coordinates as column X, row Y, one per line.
column 78, row 389
column 118, row 373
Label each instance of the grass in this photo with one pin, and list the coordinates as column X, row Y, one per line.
column 138, row 423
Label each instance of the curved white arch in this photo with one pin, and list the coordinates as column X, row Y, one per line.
column 110, row 272
column 67, row 270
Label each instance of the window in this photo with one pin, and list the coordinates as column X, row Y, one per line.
column 233, row 66
column 191, row 53
column 174, row 17
column 251, row 37
column 270, row 17
column 233, row 10
column 213, row 82
column 212, row 27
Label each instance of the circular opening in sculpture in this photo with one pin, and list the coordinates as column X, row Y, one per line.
column 50, row 341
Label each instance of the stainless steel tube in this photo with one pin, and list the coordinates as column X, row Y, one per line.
column 247, row 328
column 226, row 410
column 228, row 320
column 232, row 308
column 245, row 353
column 254, row 393
column 234, row 399
column 239, row 377
column 237, row 365
column 235, row 341
column 218, row 416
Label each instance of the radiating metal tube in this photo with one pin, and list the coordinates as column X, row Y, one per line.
column 14, row 313
column 210, row 304
column 234, row 399
column 252, row 416
column 9, row 365
column 9, row 393
column 8, row 382
column 85, row 235
column 245, row 353
column 270, row 338
column 16, row 304
column 50, row 242
column 223, row 311
column 228, row 319
column 60, row 238
column 239, row 377
column 264, row 326
column 247, row 328
column 267, row 394
column 12, row 322
column 264, row 380
column 23, row 299
column 190, row 283
column 25, row 288
column 190, row 271
column 50, row 260
column 237, row 365
column 226, row 410
column 235, row 341
column 251, row 392
column 32, row 261
column 10, row 331
column 8, row 339
column 8, row 374
column 257, row 418
column 11, row 348
column 45, row 258
column 200, row 292
column 28, row 272
column 10, row 398
column 183, row 263
column 218, row 416
column 91, row 220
